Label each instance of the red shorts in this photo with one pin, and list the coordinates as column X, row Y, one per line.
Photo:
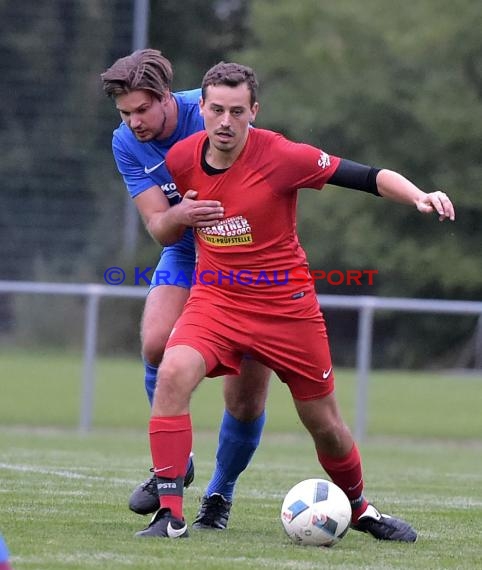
column 293, row 343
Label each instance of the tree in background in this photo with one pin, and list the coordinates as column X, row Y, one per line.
column 62, row 201
column 56, row 166
column 195, row 35
column 391, row 84
column 397, row 85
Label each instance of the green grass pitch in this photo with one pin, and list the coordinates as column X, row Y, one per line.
column 63, row 495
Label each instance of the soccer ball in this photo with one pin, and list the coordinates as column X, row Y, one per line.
column 316, row 512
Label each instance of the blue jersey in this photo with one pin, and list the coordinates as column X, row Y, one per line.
column 142, row 164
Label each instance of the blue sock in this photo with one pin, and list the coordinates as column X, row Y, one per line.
column 4, row 555
column 150, row 378
column 237, row 443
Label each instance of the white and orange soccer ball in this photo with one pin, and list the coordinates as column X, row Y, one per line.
column 316, row 512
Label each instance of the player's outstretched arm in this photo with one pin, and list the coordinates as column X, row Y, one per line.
column 396, row 187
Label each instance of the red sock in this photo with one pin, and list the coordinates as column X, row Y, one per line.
column 346, row 472
column 171, row 444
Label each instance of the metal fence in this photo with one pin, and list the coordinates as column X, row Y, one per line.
column 366, row 306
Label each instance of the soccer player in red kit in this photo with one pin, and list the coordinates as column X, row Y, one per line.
column 252, row 294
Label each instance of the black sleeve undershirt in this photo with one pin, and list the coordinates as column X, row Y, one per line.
column 356, row 176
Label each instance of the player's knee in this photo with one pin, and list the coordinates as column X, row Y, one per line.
column 245, row 395
column 169, row 397
column 153, row 348
column 245, row 410
column 174, row 374
column 176, row 381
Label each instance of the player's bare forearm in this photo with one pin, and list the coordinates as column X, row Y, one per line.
column 159, row 217
column 165, row 228
column 396, row 187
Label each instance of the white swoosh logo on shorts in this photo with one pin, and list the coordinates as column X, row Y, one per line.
column 152, row 168
column 175, row 532
column 326, row 373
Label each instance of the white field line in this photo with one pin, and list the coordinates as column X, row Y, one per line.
column 459, row 502
column 64, row 473
column 456, row 501
column 98, row 561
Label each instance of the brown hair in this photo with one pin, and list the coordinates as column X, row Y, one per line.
column 145, row 69
column 231, row 74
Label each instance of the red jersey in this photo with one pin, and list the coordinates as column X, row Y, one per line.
column 254, row 252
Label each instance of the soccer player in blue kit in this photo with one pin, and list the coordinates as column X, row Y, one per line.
column 153, row 119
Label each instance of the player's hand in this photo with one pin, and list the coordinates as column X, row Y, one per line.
column 199, row 213
column 437, row 202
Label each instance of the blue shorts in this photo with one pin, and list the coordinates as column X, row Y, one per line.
column 176, row 264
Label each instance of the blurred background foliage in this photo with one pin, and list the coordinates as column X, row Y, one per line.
column 388, row 83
